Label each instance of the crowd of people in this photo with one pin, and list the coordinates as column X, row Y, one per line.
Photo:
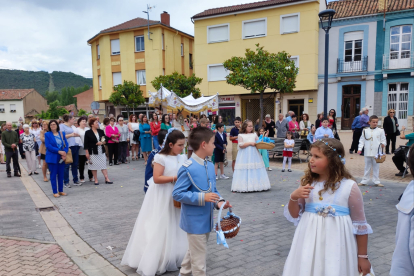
column 181, row 190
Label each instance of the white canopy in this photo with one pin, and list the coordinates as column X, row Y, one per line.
column 170, row 100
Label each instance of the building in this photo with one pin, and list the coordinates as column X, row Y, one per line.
column 128, row 52
column 20, row 104
column 370, row 60
column 84, row 100
column 71, row 108
column 278, row 25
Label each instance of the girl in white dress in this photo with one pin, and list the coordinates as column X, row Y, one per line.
column 249, row 172
column 157, row 243
column 331, row 238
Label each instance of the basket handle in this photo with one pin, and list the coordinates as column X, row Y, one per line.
column 221, row 239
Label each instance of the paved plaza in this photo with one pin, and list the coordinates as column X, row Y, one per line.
column 103, row 216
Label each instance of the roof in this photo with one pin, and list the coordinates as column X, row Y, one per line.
column 14, row 94
column 70, row 107
column 349, row 8
column 133, row 24
column 85, row 92
column 243, row 7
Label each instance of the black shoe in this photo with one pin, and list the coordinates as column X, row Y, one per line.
column 110, row 164
column 283, row 170
column 351, row 151
column 96, row 183
column 36, row 173
column 399, row 174
column 109, row 182
column 116, row 164
column 289, row 170
column 17, row 174
column 9, row 175
column 30, row 174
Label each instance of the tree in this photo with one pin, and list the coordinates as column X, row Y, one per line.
column 259, row 71
column 180, row 84
column 127, row 94
column 82, row 112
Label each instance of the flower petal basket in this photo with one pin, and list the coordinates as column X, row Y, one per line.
column 229, row 225
column 265, row 145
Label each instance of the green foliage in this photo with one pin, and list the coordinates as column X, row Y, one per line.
column 39, row 80
column 180, row 84
column 127, row 94
column 53, row 112
column 82, row 112
column 260, row 70
column 65, row 96
column 14, row 125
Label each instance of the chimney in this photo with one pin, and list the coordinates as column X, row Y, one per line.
column 165, row 18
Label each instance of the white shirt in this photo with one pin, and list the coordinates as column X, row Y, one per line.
column 289, row 143
column 370, row 140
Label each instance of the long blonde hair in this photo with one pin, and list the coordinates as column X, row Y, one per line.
column 336, row 168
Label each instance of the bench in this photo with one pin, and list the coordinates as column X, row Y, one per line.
column 280, row 145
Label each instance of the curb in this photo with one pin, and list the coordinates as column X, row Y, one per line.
column 87, row 259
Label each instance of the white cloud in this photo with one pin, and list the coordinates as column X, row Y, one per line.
column 51, row 35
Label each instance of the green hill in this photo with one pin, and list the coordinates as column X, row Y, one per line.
column 40, row 80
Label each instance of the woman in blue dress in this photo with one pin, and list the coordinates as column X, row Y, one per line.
column 145, row 137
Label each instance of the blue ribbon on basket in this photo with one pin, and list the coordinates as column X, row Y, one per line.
column 220, row 235
column 264, row 139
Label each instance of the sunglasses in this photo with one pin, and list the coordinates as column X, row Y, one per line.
column 392, row 112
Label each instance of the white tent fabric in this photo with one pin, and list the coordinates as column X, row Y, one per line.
column 170, row 100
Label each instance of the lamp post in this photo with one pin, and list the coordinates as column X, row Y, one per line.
column 326, row 17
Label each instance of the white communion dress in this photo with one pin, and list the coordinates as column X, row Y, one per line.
column 325, row 238
column 157, row 243
column 249, row 172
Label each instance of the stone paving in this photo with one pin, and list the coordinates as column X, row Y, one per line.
column 21, row 258
column 104, row 217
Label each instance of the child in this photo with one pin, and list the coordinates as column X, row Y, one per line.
column 288, row 151
column 221, row 144
column 324, row 131
column 234, row 133
column 196, row 190
column 311, row 136
column 331, row 237
column 263, row 152
column 402, row 261
column 249, row 172
column 157, row 243
column 371, row 139
column 149, row 167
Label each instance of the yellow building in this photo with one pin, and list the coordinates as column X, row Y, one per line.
column 125, row 52
column 278, row 25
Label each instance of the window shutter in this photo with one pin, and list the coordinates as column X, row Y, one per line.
column 217, row 73
column 115, row 48
column 353, row 36
column 117, row 78
column 218, row 34
column 100, row 82
column 290, row 24
column 254, row 28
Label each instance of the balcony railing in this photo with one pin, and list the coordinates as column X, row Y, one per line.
column 394, row 61
column 352, row 66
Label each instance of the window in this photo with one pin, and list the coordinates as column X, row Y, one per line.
column 398, row 100
column 400, row 42
column 141, row 78
column 191, row 61
column 1, row 108
column 218, row 33
column 217, row 72
column 353, row 46
column 12, row 108
column 98, row 51
column 162, row 41
column 254, row 28
column 100, row 82
column 115, row 48
column 296, row 60
column 116, row 78
column 139, row 43
column 182, row 49
column 289, row 23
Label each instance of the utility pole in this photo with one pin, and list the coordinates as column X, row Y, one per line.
column 147, row 12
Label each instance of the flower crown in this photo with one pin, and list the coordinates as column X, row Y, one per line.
column 165, row 139
column 343, row 160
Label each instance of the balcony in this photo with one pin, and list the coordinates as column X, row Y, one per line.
column 352, row 66
column 395, row 61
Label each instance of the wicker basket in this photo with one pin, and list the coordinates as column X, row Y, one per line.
column 265, row 146
column 380, row 158
column 230, row 224
column 177, row 204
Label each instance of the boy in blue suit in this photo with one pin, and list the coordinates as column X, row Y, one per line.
column 220, row 142
column 196, row 190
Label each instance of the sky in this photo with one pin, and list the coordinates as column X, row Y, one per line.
column 51, row 35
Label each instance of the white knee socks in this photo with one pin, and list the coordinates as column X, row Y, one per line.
column 284, row 162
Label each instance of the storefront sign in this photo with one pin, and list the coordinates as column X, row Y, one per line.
column 229, row 99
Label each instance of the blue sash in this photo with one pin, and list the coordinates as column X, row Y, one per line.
column 326, row 210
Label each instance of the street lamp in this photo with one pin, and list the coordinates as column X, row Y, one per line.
column 326, row 17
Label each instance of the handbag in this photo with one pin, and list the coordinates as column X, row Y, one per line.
column 380, row 157
column 69, row 158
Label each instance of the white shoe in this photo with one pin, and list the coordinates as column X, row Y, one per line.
column 82, row 181
column 40, row 166
column 223, row 177
column 216, row 177
column 269, row 169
